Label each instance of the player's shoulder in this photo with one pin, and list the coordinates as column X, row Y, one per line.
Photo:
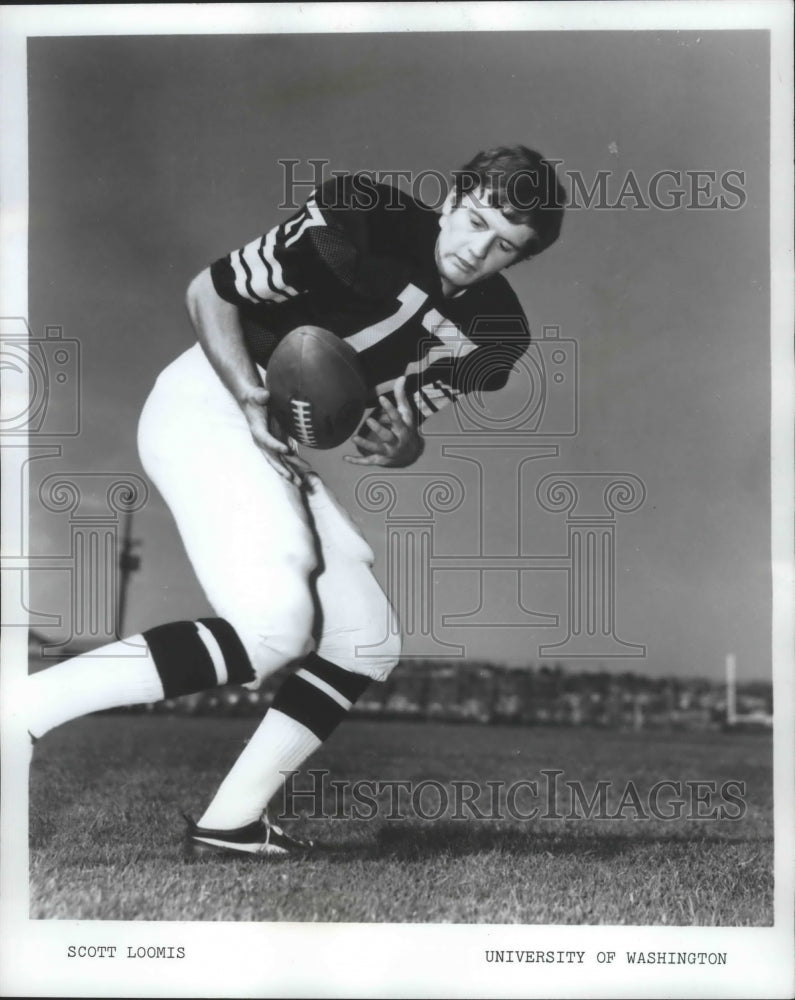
column 361, row 193
column 492, row 314
column 374, row 214
column 492, row 310
column 498, row 291
column 380, row 230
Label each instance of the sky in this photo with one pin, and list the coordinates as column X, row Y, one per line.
column 152, row 156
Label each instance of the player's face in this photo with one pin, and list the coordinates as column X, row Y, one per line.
column 475, row 241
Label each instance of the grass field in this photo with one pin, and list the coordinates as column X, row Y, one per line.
column 105, row 829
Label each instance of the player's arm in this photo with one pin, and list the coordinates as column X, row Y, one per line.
column 394, row 439
column 218, row 329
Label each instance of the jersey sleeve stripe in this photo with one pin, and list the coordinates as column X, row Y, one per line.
column 268, row 274
column 275, row 268
column 422, row 406
column 242, row 275
column 447, row 390
column 430, row 399
column 250, row 290
column 440, row 393
column 425, row 395
column 289, row 226
column 310, row 215
column 258, row 284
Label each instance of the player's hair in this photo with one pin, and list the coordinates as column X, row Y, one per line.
column 523, row 185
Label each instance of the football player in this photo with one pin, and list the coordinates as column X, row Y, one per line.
column 419, row 296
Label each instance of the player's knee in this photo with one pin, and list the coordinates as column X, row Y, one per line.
column 378, row 663
column 372, row 649
column 272, row 651
column 271, row 645
column 275, row 623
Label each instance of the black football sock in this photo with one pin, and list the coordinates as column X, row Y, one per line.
column 164, row 662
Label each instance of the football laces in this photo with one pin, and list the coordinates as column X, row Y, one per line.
column 302, row 421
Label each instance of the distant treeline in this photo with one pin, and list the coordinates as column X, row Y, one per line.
column 479, row 691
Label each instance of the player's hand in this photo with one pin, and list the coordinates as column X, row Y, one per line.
column 281, row 456
column 395, row 440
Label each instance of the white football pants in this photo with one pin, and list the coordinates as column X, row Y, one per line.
column 288, row 569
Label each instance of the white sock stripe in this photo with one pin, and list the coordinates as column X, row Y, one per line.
column 216, row 655
column 333, row 693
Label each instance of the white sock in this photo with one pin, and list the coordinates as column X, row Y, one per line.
column 122, row 673
column 307, row 708
column 279, row 744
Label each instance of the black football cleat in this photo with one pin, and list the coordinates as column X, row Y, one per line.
column 258, row 840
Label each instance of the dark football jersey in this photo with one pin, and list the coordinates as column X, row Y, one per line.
column 358, row 259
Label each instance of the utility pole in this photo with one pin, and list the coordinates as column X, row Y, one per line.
column 129, row 562
column 731, row 689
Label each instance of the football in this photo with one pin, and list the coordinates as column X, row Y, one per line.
column 318, row 392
